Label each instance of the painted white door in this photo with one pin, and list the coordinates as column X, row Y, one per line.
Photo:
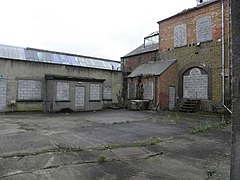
column 171, row 102
column 3, row 89
column 79, row 97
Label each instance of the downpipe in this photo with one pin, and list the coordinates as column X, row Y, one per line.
column 223, row 60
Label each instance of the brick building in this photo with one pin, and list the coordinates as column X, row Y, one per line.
column 147, row 52
column 199, row 40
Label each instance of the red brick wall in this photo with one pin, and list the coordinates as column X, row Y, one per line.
column 168, row 78
column 166, row 27
column 208, row 54
column 130, row 63
column 141, row 82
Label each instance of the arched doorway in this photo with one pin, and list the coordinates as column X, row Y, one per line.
column 195, row 83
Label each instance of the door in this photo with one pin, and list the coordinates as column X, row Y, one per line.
column 79, row 97
column 3, row 89
column 171, row 102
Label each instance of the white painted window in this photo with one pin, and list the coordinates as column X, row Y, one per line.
column 62, row 91
column 95, row 92
column 29, row 90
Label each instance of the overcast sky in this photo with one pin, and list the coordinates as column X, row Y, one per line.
column 100, row 28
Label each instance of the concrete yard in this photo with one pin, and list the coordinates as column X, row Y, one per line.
column 114, row 144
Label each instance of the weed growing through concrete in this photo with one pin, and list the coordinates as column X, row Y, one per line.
column 150, row 141
column 69, row 149
column 101, row 159
column 146, row 142
column 207, row 127
column 210, row 173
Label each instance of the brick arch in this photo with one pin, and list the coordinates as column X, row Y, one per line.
column 204, row 68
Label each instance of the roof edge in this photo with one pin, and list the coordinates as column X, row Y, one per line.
column 189, row 10
column 173, row 61
column 126, row 56
column 72, row 78
column 70, row 54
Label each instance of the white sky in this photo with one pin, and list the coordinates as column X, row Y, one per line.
column 100, row 28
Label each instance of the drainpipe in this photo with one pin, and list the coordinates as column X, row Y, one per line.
column 229, row 48
column 156, row 93
column 223, row 60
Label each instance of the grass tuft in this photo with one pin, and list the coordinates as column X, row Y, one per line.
column 101, row 159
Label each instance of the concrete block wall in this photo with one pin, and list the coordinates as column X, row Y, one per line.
column 29, row 90
column 14, row 70
column 54, row 104
column 3, row 89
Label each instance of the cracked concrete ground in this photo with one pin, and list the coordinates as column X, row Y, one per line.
column 114, row 144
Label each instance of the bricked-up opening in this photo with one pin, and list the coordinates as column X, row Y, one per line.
column 205, row 71
column 195, row 84
column 3, row 90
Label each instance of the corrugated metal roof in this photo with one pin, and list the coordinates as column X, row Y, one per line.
column 152, row 69
column 12, row 52
column 30, row 54
column 141, row 49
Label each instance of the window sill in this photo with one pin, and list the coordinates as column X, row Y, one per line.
column 29, row 100
column 62, row 101
column 107, row 99
column 94, row 100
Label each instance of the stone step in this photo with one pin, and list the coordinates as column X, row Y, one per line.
column 189, row 105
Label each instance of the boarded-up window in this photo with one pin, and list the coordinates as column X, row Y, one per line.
column 62, row 91
column 180, row 35
column 107, row 91
column 204, row 29
column 29, row 90
column 131, row 90
column 148, row 90
column 95, row 92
